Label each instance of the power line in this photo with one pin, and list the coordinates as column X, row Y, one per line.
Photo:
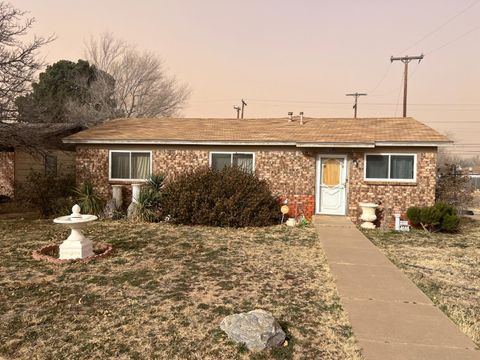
column 398, row 97
column 382, row 79
column 454, row 40
column 441, row 26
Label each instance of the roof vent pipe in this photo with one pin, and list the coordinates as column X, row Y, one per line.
column 290, row 116
column 301, row 117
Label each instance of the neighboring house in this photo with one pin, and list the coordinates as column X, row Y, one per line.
column 47, row 155
column 322, row 166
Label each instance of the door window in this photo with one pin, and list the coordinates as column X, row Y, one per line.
column 331, row 172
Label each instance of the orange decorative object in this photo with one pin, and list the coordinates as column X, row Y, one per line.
column 284, row 209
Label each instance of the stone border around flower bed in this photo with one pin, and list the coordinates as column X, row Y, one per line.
column 41, row 254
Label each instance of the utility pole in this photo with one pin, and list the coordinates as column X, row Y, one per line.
column 355, row 106
column 237, row 108
column 406, row 60
column 243, row 106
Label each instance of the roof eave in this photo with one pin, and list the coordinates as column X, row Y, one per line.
column 413, row 143
column 176, row 142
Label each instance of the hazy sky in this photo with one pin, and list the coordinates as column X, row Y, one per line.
column 295, row 56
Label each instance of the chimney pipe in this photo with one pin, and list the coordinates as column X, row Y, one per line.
column 301, row 117
column 290, row 116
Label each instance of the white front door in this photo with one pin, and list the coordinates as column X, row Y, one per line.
column 331, row 179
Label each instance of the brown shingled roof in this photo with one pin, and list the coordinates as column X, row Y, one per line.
column 260, row 131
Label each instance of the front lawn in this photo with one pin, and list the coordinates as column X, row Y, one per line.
column 164, row 292
column 445, row 266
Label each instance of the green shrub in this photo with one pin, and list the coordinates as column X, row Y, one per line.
column 89, row 201
column 450, row 223
column 231, row 197
column 441, row 217
column 413, row 214
column 50, row 195
column 430, row 217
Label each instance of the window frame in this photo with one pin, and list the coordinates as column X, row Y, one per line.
column 414, row 180
column 110, row 152
column 231, row 153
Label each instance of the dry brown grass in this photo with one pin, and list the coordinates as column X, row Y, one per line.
column 165, row 291
column 445, row 266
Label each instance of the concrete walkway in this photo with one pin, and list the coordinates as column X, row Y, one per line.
column 391, row 318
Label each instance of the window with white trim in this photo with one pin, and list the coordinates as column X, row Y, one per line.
column 394, row 167
column 130, row 165
column 219, row 160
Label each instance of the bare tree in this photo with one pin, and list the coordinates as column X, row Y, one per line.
column 99, row 106
column 142, row 86
column 18, row 60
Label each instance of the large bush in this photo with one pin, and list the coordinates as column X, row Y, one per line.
column 50, row 195
column 231, row 197
column 441, row 216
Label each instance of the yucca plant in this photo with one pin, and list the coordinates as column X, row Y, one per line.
column 155, row 182
column 149, row 205
column 88, row 200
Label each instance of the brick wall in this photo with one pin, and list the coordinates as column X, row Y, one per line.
column 174, row 162
column 7, row 172
column 392, row 197
column 290, row 173
column 92, row 166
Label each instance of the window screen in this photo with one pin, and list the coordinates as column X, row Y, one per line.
column 219, row 161
column 140, row 163
column 242, row 160
column 401, row 166
column 377, row 167
column 120, row 165
column 130, row 165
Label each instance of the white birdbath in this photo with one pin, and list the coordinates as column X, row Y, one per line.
column 368, row 215
column 76, row 246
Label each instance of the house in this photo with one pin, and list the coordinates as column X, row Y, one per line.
column 41, row 151
column 321, row 166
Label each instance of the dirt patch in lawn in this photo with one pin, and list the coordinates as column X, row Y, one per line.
column 445, row 266
column 165, row 291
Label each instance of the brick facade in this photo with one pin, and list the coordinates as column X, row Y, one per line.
column 7, row 173
column 291, row 174
column 392, row 197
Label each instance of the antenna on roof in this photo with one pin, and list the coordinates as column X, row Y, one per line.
column 301, row 117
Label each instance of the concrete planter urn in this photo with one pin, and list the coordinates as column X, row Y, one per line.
column 76, row 246
column 368, row 215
